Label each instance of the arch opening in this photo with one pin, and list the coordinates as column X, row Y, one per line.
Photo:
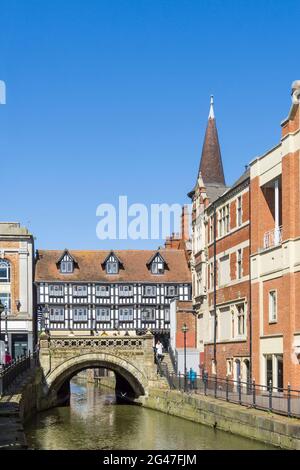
column 130, row 382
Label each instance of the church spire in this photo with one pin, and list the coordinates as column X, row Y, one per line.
column 211, row 166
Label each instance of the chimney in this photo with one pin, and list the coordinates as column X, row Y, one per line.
column 185, row 223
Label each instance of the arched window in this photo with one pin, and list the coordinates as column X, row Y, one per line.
column 4, row 271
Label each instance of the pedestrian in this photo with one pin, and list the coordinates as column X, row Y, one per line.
column 8, row 358
column 159, row 351
column 192, row 376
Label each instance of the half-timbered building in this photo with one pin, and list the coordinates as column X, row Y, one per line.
column 126, row 290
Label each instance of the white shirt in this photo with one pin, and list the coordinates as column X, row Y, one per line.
column 159, row 348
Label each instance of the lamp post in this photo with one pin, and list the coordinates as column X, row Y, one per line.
column 6, row 330
column 2, row 308
column 184, row 330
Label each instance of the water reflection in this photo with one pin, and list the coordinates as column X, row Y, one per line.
column 95, row 421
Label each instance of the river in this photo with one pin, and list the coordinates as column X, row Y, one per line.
column 94, row 421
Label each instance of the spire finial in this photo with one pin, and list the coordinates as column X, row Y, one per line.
column 211, row 109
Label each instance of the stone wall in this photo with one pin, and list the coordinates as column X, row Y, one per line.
column 265, row 427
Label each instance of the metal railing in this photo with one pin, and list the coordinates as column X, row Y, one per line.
column 172, row 357
column 9, row 373
column 273, row 237
column 283, row 401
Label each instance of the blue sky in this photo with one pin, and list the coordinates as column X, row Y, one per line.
column 109, row 98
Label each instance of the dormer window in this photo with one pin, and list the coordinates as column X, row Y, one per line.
column 66, row 267
column 112, row 264
column 66, row 263
column 157, row 265
column 112, row 267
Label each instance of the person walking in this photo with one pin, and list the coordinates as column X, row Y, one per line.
column 159, row 351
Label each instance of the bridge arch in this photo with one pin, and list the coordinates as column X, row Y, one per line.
column 71, row 366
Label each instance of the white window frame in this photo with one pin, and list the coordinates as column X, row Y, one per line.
column 239, row 261
column 273, row 316
column 126, row 314
column 57, row 314
column 5, row 265
column 239, row 212
column 80, row 290
column 102, row 291
column 148, row 314
column 77, row 317
column 126, row 291
column 103, row 314
column 238, row 316
column 56, row 290
column 169, row 288
column 6, row 300
column 112, row 267
column 151, row 293
column 66, row 267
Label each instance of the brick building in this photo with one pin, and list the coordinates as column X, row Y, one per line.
column 275, row 256
column 220, row 263
column 16, row 288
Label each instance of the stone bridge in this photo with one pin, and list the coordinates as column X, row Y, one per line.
column 130, row 357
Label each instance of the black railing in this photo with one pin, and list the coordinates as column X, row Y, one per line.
column 279, row 400
column 9, row 373
column 173, row 358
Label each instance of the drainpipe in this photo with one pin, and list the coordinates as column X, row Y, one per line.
column 250, row 288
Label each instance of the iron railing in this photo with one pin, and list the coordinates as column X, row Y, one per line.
column 279, row 400
column 173, row 358
column 9, row 373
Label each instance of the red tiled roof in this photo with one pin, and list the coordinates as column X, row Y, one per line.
column 90, row 267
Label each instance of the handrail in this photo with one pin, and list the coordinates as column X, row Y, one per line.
column 279, row 400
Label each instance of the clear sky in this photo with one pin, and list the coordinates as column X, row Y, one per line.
column 111, row 97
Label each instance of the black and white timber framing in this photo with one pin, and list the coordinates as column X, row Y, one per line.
column 90, row 306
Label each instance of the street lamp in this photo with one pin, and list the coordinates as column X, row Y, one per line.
column 184, row 330
column 2, row 308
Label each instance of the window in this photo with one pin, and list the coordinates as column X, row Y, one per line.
column 126, row 291
column 150, row 291
column 224, row 319
column 112, row 267
column 4, row 271
column 66, row 267
column 239, row 211
column 229, row 366
column 56, row 290
column 80, row 314
column 171, row 291
column 103, row 314
column 272, row 306
column 241, row 319
column 102, row 291
column 239, row 264
column 224, row 270
column 211, row 227
column 57, row 314
column 148, row 314
column 6, row 300
column 126, row 314
column 157, row 266
column 211, row 273
column 232, row 324
column 167, row 314
column 223, row 220
column 80, row 291
column 213, row 367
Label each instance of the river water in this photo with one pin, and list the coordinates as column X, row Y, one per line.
column 94, row 421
